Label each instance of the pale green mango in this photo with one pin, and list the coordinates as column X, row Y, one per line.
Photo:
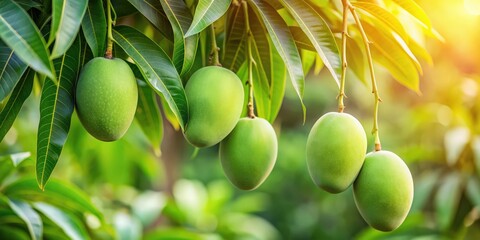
column 249, row 152
column 215, row 100
column 383, row 190
column 336, row 148
column 106, row 98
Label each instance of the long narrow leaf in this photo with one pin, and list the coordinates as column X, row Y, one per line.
column 72, row 227
column 278, row 81
column 58, row 193
column 412, row 7
column 184, row 48
column 8, row 163
column 319, row 33
column 149, row 117
column 393, row 57
column 29, row 216
column 12, row 69
column 56, row 108
column 384, row 16
column 301, row 40
column 447, row 199
column 152, row 10
column 156, row 68
column 19, row 32
column 284, row 43
column 66, row 22
column 207, row 12
column 234, row 45
column 15, row 102
column 94, row 26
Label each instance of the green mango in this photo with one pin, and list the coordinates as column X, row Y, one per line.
column 106, row 98
column 383, row 191
column 336, row 149
column 249, row 152
column 215, row 101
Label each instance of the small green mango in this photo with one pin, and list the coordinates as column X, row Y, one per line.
column 249, row 152
column 106, row 98
column 383, row 190
column 215, row 99
column 336, row 148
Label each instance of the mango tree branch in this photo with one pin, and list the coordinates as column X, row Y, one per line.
column 215, row 49
column 341, row 94
column 375, row 131
column 248, row 32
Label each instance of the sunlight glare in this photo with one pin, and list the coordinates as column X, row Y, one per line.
column 472, row 7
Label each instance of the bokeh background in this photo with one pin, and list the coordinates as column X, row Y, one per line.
column 182, row 193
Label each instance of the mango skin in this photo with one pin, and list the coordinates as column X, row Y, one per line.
column 215, row 99
column 336, row 148
column 383, row 191
column 248, row 154
column 106, row 98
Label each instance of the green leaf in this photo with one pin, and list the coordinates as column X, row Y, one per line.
column 356, row 59
column 72, row 227
column 319, row 33
column 268, row 81
column 424, row 186
column 301, row 40
column 152, row 10
column 420, row 51
column 156, row 67
column 57, row 192
column 149, row 117
column 415, row 10
column 28, row 4
column 94, row 26
column 12, row 69
column 13, row 233
column 19, row 32
column 284, row 43
column 308, row 59
column 384, row 16
column 9, row 162
column 448, row 199
column 20, row 93
column 185, row 48
column 389, row 54
column 29, row 216
column 207, row 12
column 233, row 54
column 126, row 226
column 56, row 108
column 277, row 85
column 66, row 16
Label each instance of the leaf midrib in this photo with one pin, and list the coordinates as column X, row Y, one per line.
column 42, row 183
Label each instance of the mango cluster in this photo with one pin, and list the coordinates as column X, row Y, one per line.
column 106, row 101
column 336, row 159
column 248, row 146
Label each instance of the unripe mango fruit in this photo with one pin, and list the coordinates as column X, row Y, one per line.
column 106, row 98
column 336, row 148
column 249, row 152
column 383, row 190
column 215, row 99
